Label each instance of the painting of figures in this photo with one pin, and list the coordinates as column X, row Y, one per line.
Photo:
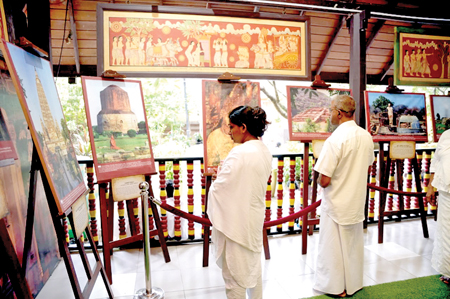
column 421, row 57
column 192, row 44
column 118, row 128
column 440, row 110
column 396, row 117
column 308, row 112
column 42, row 108
column 218, row 100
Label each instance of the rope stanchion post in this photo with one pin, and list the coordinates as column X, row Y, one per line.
column 148, row 291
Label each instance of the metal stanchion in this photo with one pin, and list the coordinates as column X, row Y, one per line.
column 148, row 292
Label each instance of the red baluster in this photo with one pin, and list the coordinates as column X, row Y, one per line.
column 176, row 199
column 66, row 229
column 190, row 200
column 268, row 201
column 163, row 196
column 426, row 178
column 137, row 224
column 280, row 192
column 408, row 183
column 373, row 180
column 291, row 190
column 391, row 184
column 122, row 225
column 302, row 186
column 203, row 195
column 419, row 166
column 91, row 199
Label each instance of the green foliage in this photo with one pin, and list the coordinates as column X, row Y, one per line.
column 131, row 133
column 142, row 127
column 381, row 103
column 117, row 134
column 310, row 126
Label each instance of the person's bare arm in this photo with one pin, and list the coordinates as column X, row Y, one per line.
column 323, row 180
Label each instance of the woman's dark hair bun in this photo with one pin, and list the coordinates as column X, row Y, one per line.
column 253, row 117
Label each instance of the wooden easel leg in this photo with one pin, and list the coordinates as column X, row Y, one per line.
column 381, row 207
column 266, row 244
column 423, row 216
column 105, row 231
column 305, row 197
column 206, row 233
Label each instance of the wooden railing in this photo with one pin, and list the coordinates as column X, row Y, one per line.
column 180, row 183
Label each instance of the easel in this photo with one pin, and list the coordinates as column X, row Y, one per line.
column 384, row 181
column 107, row 218
column 36, row 166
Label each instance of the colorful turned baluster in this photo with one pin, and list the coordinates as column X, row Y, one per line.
column 426, row 178
column 151, row 225
column 391, row 185
column 419, row 166
column 203, row 195
column 280, row 192
column 301, row 189
column 137, row 225
column 373, row 180
column 66, row 229
column 163, row 196
column 268, row 200
column 190, row 200
column 400, row 172
column 176, row 199
column 408, row 184
column 291, row 190
column 313, row 163
column 92, row 209
column 121, row 213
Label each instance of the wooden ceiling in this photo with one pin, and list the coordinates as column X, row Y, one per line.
column 330, row 39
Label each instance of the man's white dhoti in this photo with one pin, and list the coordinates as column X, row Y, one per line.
column 339, row 247
column 441, row 252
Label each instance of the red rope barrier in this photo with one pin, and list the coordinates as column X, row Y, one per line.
column 398, row 192
column 292, row 216
column 206, row 221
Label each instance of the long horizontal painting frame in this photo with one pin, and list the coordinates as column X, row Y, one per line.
column 440, row 115
column 421, row 57
column 308, row 112
column 162, row 41
column 33, row 79
column 118, row 128
column 396, row 117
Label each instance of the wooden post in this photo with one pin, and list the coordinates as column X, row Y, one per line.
column 305, row 196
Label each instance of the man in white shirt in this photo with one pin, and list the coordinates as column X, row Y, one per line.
column 343, row 168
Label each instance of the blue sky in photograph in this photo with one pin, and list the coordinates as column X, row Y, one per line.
column 441, row 105
column 94, row 87
column 27, row 65
column 409, row 100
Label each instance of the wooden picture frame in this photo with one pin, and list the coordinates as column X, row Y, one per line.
column 405, row 121
column 115, row 108
column 309, row 112
column 36, row 89
column 7, row 148
column 218, row 100
column 162, row 41
column 440, row 111
column 421, row 57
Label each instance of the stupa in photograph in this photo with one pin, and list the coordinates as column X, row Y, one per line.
column 116, row 114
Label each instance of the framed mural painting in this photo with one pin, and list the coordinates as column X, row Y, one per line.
column 396, row 117
column 118, row 128
column 440, row 111
column 33, row 78
column 146, row 41
column 218, row 100
column 309, row 112
column 421, row 57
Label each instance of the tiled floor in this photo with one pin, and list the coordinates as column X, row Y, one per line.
column 404, row 254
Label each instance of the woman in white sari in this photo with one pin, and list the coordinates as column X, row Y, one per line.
column 440, row 179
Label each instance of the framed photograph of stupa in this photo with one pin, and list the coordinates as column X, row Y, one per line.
column 218, row 100
column 309, row 112
column 36, row 89
column 150, row 41
column 396, row 117
column 118, row 128
column 440, row 111
column 421, row 57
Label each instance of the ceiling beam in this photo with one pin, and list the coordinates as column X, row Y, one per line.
column 375, row 30
column 331, row 43
column 73, row 29
column 386, row 68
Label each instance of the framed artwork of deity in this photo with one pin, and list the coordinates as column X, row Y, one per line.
column 396, row 117
column 421, row 57
column 440, row 111
column 118, row 128
column 218, row 100
column 309, row 112
column 146, row 41
column 34, row 82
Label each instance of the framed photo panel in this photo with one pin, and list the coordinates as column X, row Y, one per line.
column 33, row 78
column 440, row 111
column 309, row 112
column 396, row 117
column 218, row 100
column 421, row 57
column 7, row 148
column 145, row 41
column 118, row 128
